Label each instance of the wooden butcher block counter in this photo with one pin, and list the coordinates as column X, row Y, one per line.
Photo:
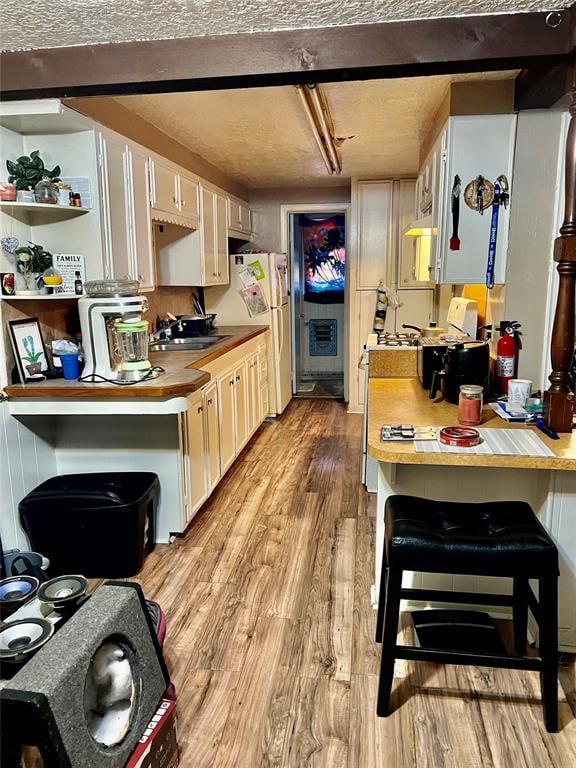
column 404, row 401
column 183, row 373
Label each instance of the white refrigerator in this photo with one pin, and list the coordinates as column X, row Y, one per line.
column 265, row 273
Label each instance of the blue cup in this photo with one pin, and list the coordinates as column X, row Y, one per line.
column 70, row 366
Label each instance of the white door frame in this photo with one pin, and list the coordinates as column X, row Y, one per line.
column 345, row 208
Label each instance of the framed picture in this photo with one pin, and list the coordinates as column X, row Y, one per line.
column 28, row 347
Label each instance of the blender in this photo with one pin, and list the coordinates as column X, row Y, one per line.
column 114, row 334
column 132, row 347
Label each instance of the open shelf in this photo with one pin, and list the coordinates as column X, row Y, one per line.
column 41, row 297
column 41, row 212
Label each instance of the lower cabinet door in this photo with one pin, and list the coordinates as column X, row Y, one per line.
column 212, row 431
column 197, row 454
column 253, row 393
column 226, row 389
column 241, row 406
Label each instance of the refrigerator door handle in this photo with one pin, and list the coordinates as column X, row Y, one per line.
column 281, row 333
column 277, row 287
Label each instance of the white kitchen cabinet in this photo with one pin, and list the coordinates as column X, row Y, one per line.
column 118, row 254
column 253, row 409
column 375, row 233
column 214, row 242
column 196, row 455
column 126, row 223
column 140, row 220
column 474, row 145
column 239, row 218
column 211, row 433
column 241, row 405
column 226, row 409
column 174, row 194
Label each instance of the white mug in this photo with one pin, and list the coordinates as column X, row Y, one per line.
column 519, row 391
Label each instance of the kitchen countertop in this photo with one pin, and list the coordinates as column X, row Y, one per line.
column 183, row 374
column 404, row 401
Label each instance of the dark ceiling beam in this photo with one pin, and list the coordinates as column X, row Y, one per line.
column 394, row 49
column 542, row 86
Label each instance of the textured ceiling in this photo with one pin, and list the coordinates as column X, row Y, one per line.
column 29, row 24
column 261, row 136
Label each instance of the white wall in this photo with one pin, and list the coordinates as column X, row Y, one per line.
column 536, row 194
column 265, row 205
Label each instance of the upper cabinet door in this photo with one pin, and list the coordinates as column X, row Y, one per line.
column 414, row 270
column 246, row 219
column 188, row 197
column 140, row 218
column 164, row 188
column 222, row 268
column 234, row 214
column 375, row 248
column 208, row 227
column 115, row 184
column 476, row 145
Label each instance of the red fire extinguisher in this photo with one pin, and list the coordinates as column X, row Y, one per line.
column 506, row 353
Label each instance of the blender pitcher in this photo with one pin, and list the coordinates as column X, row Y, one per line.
column 132, row 345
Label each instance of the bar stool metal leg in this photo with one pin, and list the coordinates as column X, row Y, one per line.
column 390, row 634
column 548, row 600
column 520, row 615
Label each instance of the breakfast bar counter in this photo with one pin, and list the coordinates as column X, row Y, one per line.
column 404, row 401
column 546, row 483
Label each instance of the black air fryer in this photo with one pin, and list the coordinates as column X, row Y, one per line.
column 464, row 363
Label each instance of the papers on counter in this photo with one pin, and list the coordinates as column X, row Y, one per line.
column 510, row 411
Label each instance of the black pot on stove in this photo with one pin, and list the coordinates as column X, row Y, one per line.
column 464, row 363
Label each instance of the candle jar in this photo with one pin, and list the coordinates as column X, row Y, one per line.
column 470, row 405
column 7, row 192
column 46, row 192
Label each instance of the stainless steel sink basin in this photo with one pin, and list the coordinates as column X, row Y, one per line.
column 193, row 344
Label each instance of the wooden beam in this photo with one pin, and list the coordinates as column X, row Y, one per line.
column 394, row 49
column 541, row 87
column 559, row 399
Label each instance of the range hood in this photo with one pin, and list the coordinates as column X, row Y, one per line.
column 420, row 227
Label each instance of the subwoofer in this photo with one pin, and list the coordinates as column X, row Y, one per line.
column 86, row 697
column 15, row 591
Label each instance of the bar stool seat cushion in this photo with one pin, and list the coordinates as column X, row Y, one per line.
column 497, row 538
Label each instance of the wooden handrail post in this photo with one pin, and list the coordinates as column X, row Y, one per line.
column 558, row 398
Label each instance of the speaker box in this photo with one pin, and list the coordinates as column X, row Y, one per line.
column 88, row 694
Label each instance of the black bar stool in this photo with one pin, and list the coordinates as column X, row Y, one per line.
column 502, row 538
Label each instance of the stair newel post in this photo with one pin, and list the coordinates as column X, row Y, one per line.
column 559, row 399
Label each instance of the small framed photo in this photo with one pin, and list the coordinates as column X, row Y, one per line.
column 29, row 350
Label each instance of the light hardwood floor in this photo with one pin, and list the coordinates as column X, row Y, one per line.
column 270, row 630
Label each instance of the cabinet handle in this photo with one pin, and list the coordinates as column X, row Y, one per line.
column 214, row 274
column 141, row 278
column 175, row 201
column 210, row 401
column 237, row 378
column 231, row 383
column 200, row 409
column 182, row 203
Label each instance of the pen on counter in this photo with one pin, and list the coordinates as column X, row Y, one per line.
column 546, row 429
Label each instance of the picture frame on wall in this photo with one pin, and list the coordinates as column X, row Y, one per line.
column 29, row 349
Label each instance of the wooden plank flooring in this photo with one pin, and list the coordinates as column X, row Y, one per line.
column 270, row 629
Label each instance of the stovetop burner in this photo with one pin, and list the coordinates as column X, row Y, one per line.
column 388, row 339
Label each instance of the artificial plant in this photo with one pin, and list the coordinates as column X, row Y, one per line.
column 27, row 171
column 32, row 259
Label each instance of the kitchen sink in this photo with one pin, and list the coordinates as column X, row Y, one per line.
column 192, row 344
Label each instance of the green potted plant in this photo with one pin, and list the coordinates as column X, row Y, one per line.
column 29, row 171
column 32, row 357
column 31, row 261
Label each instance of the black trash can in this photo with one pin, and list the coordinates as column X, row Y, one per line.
column 100, row 525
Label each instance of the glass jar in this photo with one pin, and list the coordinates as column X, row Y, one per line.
column 7, row 192
column 470, row 405
column 46, row 192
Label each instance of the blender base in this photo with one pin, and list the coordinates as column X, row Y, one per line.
column 138, row 375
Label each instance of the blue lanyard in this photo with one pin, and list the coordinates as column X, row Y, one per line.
column 500, row 198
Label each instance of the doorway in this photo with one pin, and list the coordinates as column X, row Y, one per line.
column 317, row 247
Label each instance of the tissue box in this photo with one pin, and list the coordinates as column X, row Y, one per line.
column 158, row 747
